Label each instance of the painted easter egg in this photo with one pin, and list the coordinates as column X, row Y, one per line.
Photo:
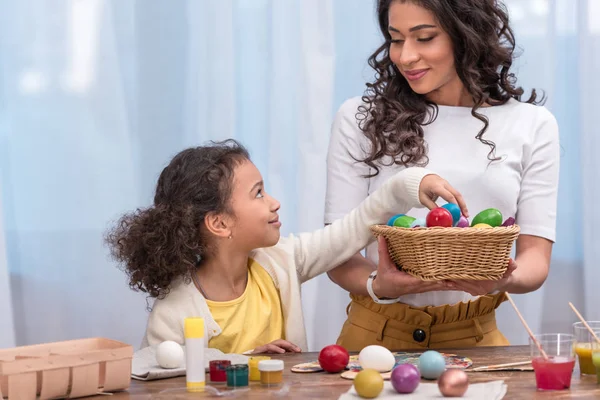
column 392, row 219
column 405, row 378
column 491, row 216
column 404, row 221
column 510, row 221
column 333, row 358
column 454, row 210
column 439, row 216
column 431, row 364
column 453, row 383
column 481, row 226
column 463, row 222
column 418, row 222
column 368, row 383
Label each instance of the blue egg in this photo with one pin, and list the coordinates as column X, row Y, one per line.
column 391, row 220
column 418, row 222
column 431, row 364
column 454, row 210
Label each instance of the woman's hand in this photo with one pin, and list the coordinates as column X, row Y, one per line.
column 480, row 288
column 433, row 186
column 392, row 283
column 277, row 346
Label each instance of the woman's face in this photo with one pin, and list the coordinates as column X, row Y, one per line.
column 423, row 53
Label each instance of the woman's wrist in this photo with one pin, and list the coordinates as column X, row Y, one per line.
column 381, row 292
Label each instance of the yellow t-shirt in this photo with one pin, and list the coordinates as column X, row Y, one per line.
column 253, row 319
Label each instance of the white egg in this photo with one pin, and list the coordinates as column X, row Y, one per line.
column 376, row 357
column 169, row 354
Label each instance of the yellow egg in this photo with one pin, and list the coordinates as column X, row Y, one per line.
column 368, row 383
column 481, row 226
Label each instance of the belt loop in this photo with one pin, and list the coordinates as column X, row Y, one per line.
column 478, row 330
column 382, row 326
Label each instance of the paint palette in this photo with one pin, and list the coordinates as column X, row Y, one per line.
column 452, row 361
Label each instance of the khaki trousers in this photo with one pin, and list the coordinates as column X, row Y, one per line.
column 399, row 326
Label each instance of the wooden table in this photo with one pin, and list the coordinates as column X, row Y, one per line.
column 521, row 385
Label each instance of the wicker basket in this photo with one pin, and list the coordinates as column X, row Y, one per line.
column 74, row 368
column 436, row 253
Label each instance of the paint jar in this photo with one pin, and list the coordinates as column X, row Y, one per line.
column 253, row 365
column 237, row 375
column 218, row 370
column 271, row 372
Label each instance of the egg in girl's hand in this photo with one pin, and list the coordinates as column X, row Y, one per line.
column 169, row 354
column 376, row 357
column 431, row 364
column 454, row 210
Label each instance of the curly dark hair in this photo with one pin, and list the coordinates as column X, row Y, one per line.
column 393, row 116
column 158, row 244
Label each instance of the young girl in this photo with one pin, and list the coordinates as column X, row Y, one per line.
column 210, row 247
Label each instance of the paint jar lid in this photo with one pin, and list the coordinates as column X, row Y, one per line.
column 270, row 365
column 237, row 367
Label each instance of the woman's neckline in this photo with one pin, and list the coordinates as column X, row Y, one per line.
column 466, row 110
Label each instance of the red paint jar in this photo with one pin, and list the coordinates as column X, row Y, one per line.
column 217, row 370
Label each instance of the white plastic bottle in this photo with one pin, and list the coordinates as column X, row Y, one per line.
column 195, row 374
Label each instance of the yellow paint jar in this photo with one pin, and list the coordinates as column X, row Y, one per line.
column 271, row 372
column 253, row 365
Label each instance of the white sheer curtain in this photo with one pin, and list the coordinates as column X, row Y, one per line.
column 98, row 95
column 7, row 332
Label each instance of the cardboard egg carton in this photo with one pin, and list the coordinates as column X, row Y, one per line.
column 69, row 369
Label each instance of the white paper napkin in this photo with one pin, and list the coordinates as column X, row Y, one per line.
column 494, row 390
column 144, row 366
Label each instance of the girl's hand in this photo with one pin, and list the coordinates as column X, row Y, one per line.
column 277, row 346
column 480, row 288
column 433, row 186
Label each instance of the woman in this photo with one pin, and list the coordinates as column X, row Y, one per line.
column 443, row 97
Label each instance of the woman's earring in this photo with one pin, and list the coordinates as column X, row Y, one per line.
column 229, row 237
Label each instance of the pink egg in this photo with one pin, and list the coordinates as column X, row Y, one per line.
column 463, row 222
column 405, row 378
column 510, row 221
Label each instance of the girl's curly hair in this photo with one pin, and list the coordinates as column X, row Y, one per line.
column 158, row 244
column 393, row 115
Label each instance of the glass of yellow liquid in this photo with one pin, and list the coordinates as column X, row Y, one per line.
column 584, row 343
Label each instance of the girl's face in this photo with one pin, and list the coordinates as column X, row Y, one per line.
column 256, row 223
column 423, row 53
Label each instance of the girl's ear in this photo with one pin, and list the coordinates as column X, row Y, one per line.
column 218, row 224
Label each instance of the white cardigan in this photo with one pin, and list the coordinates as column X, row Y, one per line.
column 292, row 261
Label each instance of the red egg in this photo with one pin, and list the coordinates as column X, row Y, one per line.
column 439, row 217
column 333, row 358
